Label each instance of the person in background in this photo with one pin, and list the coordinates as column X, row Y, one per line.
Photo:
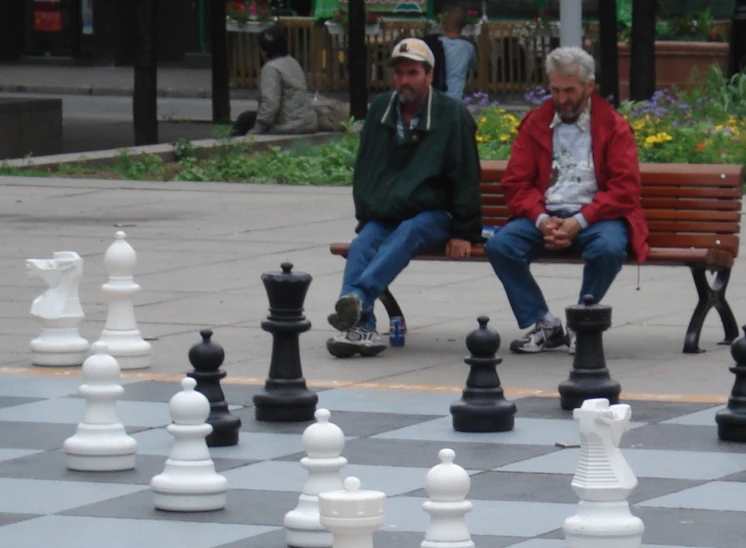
column 460, row 53
column 284, row 103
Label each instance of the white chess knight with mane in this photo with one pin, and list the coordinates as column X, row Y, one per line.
column 58, row 310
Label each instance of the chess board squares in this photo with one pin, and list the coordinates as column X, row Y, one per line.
column 87, row 532
column 724, row 496
column 71, row 410
column 389, row 401
column 645, row 462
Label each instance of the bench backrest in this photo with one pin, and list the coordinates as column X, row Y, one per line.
column 686, row 205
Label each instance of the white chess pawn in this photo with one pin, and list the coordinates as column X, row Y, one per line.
column 58, row 310
column 352, row 515
column 100, row 442
column 323, row 443
column 603, row 481
column 447, row 484
column 120, row 332
column 189, row 482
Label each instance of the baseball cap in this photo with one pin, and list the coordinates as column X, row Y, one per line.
column 414, row 49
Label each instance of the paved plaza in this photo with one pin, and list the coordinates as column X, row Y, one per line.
column 202, row 248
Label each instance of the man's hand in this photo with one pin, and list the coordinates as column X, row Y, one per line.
column 458, row 249
column 548, row 227
column 564, row 234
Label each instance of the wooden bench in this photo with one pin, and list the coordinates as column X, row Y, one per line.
column 693, row 213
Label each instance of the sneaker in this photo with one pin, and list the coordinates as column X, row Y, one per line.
column 571, row 338
column 348, row 309
column 356, row 340
column 541, row 338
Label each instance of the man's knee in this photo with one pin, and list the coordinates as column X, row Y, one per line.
column 606, row 249
column 361, row 247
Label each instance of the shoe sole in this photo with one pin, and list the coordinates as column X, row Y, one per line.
column 347, row 313
column 370, row 351
column 516, row 349
column 340, row 349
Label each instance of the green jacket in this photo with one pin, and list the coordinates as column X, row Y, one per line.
column 436, row 168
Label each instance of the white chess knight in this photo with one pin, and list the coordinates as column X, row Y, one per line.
column 120, row 333
column 58, row 310
column 189, row 482
column 323, row 443
column 352, row 515
column 447, row 484
column 603, row 481
column 100, row 442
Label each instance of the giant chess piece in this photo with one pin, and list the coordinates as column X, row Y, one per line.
column 323, row 443
column 483, row 407
column 589, row 377
column 352, row 515
column 732, row 420
column 100, row 443
column 285, row 396
column 58, row 310
column 189, row 482
column 206, row 358
column 447, row 484
column 603, row 481
column 120, row 332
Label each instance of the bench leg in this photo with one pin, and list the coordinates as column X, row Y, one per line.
column 390, row 304
column 710, row 296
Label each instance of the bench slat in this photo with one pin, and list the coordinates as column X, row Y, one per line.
column 699, row 204
column 651, row 191
column 693, row 226
column 725, row 242
column 684, row 215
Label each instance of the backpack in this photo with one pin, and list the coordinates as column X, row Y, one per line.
column 439, row 70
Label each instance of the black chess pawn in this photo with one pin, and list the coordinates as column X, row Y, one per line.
column 285, row 397
column 732, row 420
column 589, row 377
column 206, row 358
column 483, row 407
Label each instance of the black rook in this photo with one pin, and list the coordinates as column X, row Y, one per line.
column 589, row 377
column 206, row 358
column 483, row 407
column 285, row 397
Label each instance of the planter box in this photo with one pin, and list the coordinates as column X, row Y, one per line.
column 674, row 62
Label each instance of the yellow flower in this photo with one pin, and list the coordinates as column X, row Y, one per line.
column 480, row 139
column 638, row 125
column 483, row 120
column 505, row 137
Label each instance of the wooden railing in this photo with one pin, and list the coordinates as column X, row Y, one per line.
column 510, row 61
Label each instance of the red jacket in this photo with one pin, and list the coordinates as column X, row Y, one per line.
column 615, row 161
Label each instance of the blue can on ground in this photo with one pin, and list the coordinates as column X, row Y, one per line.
column 397, row 331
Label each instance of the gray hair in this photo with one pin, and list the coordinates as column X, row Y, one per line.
column 571, row 60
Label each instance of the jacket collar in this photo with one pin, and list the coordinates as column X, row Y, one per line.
column 583, row 121
column 540, row 122
column 426, row 121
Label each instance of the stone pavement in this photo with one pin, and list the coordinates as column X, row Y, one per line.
column 203, row 247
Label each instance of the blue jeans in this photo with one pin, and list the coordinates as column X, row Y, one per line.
column 603, row 246
column 381, row 251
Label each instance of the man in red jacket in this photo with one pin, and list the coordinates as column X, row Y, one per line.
column 572, row 183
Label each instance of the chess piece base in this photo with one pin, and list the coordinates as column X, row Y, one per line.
column 100, row 448
column 464, row 544
column 289, row 404
column 731, row 425
column 128, row 347
column 587, row 385
column 189, row 486
column 224, row 431
column 59, row 347
column 304, row 530
column 496, row 417
column 607, row 524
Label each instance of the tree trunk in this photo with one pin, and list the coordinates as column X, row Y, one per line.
column 221, row 99
column 642, row 54
column 356, row 60
column 738, row 39
column 145, row 96
column 607, row 31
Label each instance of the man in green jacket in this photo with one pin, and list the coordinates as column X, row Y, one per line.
column 415, row 188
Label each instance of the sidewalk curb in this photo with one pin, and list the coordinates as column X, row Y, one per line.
column 119, row 92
